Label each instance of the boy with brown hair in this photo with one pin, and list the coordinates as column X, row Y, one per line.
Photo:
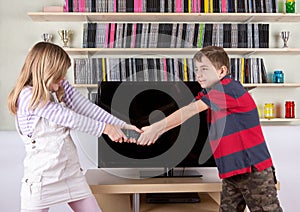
column 235, row 135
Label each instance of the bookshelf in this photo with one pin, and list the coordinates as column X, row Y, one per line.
column 246, row 85
column 163, row 17
column 178, row 52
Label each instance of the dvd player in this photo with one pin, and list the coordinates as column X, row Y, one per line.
column 191, row 197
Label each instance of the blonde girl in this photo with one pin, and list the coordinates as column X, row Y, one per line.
column 47, row 107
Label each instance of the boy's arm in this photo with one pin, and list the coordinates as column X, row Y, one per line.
column 151, row 133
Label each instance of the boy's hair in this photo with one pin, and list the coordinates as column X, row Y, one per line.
column 45, row 63
column 216, row 55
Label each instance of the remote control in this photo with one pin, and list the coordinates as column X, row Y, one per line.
column 131, row 134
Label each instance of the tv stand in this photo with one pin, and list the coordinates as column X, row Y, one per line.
column 103, row 185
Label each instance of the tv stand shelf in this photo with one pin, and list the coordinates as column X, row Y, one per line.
column 101, row 183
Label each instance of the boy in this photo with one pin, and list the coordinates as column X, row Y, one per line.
column 235, row 135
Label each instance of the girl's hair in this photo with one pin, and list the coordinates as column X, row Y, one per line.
column 215, row 54
column 45, row 63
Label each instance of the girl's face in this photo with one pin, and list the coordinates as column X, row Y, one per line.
column 206, row 74
column 55, row 85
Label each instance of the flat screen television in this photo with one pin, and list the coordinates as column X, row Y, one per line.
column 143, row 103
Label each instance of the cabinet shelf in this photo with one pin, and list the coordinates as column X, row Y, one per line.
column 163, row 17
column 179, row 51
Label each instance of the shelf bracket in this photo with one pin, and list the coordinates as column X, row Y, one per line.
column 249, row 20
column 249, row 54
column 87, row 19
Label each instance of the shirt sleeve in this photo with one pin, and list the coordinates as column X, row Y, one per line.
column 81, row 105
column 63, row 116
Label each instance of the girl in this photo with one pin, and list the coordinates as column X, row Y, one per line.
column 47, row 107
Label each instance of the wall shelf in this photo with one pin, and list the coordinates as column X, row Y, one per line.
column 174, row 52
column 271, row 85
column 279, row 120
column 85, row 85
column 163, row 17
column 263, row 85
column 179, row 51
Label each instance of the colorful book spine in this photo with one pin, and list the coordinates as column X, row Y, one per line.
column 107, row 35
column 201, row 35
column 66, row 6
column 136, row 6
column 185, row 72
column 194, row 6
column 242, row 79
column 133, row 36
column 179, row 6
column 206, row 6
column 75, row 6
column 115, row 5
column 199, row 6
column 223, row 7
column 189, row 6
column 211, row 6
column 112, row 35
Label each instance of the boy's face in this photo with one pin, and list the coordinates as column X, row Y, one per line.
column 206, row 74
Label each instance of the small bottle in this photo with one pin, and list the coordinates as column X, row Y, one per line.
column 269, row 110
column 290, row 6
column 281, row 6
column 278, row 76
column 289, row 109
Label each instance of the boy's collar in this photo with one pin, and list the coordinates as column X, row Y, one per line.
column 219, row 83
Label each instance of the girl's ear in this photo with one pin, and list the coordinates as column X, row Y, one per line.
column 222, row 72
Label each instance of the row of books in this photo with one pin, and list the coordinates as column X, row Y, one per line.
column 172, row 6
column 248, row 70
column 95, row 70
column 180, row 35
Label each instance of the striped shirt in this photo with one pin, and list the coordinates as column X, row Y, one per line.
column 77, row 114
column 235, row 132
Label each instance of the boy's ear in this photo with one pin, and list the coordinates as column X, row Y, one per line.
column 223, row 72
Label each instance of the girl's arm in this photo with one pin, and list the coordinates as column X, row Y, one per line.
column 63, row 116
column 81, row 105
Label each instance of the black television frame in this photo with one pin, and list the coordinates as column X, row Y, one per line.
column 115, row 155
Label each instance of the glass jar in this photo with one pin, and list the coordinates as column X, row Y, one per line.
column 289, row 109
column 290, row 6
column 269, row 110
column 278, row 76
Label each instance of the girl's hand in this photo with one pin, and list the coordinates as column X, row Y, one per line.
column 132, row 127
column 115, row 133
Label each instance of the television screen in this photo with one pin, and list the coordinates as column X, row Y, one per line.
column 143, row 103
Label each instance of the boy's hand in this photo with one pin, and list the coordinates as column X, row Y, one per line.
column 149, row 136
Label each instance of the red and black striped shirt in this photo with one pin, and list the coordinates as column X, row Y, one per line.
column 235, row 132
